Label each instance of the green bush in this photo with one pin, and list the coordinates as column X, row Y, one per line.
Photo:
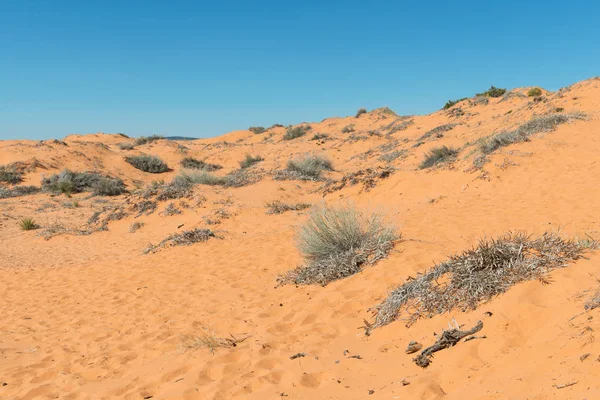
column 450, row 103
column 438, row 155
column 257, row 129
column 534, row 92
column 147, row 139
column 146, row 163
column 294, row 132
column 10, row 175
column 493, row 92
column 28, row 224
column 193, row 163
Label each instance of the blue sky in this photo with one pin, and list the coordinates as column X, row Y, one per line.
column 200, row 69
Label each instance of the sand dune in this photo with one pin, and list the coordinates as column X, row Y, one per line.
column 86, row 314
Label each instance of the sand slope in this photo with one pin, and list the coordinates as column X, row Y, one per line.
column 91, row 316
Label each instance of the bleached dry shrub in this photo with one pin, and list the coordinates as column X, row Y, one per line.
column 337, row 241
column 146, row 163
column 193, row 163
column 279, row 207
column 438, row 155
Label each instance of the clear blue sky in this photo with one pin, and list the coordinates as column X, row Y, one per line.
column 199, row 68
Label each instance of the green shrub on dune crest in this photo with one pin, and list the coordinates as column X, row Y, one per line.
column 294, row 132
column 151, row 164
column 337, row 242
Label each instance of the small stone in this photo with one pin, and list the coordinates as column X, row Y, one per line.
column 413, row 347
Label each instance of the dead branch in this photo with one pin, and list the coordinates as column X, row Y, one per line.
column 447, row 339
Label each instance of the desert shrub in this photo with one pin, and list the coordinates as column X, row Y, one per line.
column 493, row 91
column 360, row 112
column 337, row 241
column 310, row 165
column 257, row 129
column 193, row 163
column 10, row 175
column 319, row 136
column 279, row 207
column 437, row 156
column 276, row 126
column 545, row 123
column 135, row 226
column 451, row 103
column 145, row 207
column 147, row 139
column 477, row 275
column 348, row 128
column 184, row 238
column 239, row 178
column 391, row 156
column 108, row 187
column 17, row 191
column 146, row 163
column 171, row 209
column 559, row 109
column 69, row 182
column 480, row 100
column 203, row 178
column 28, row 224
column 250, row 161
column 402, row 126
column 437, row 132
column 294, row 132
column 126, row 146
column 534, row 92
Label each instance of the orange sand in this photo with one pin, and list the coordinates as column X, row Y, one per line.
column 92, row 317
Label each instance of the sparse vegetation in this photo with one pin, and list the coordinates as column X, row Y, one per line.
column 348, row 128
column 279, row 207
column 250, row 160
column 480, row 101
column 451, row 103
column 10, row 175
column 147, row 139
column 193, row 163
column 202, row 178
column 146, row 163
column 360, row 112
column 477, row 275
column 437, row 132
column 493, row 92
column 69, row 182
column 184, row 238
column 309, row 166
column 126, row 146
column 171, row 209
column 135, row 226
column 438, row 156
column 545, row 123
column 391, row 156
column 257, row 129
column 294, row 132
column 208, row 339
column 319, row 136
column 534, row 92
column 337, row 241
column 239, row 178
column 17, row 191
column 28, row 224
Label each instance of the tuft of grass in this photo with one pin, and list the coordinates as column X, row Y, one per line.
column 184, row 238
column 239, row 178
column 319, row 136
column 146, row 163
column 201, row 178
column 279, row 207
column 391, row 156
column 480, row 100
column 250, row 161
column 477, row 275
column 294, row 132
column 545, row 123
column 451, row 103
column 17, row 191
column 493, row 91
column 437, row 132
column 193, row 163
column 10, row 175
column 257, row 129
column 209, row 340
column 28, row 224
column 360, row 112
column 438, row 155
column 309, row 166
column 126, row 146
column 135, row 226
column 534, row 92
column 337, row 241
column 147, row 139
column 348, row 128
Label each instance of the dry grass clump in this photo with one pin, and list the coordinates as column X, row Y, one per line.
column 184, row 238
column 294, row 132
column 534, row 92
column 439, row 155
column 145, row 207
column 147, row 139
column 10, row 175
column 201, row 178
column 319, row 136
column 28, row 224
column 279, row 207
column 208, row 339
column 250, row 160
column 69, row 182
column 337, row 241
column 392, row 156
column 348, row 128
column 239, row 178
column 480, row 101
column 193, row 163
column 545, row 123
column 135, row 226
column 146, row 163
column 257, row 129
column 171, row 209
column 477, row 275
column 402, row 126
column 309, row 166
column 126, row 146
column 437, row 132
column 17, row 191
